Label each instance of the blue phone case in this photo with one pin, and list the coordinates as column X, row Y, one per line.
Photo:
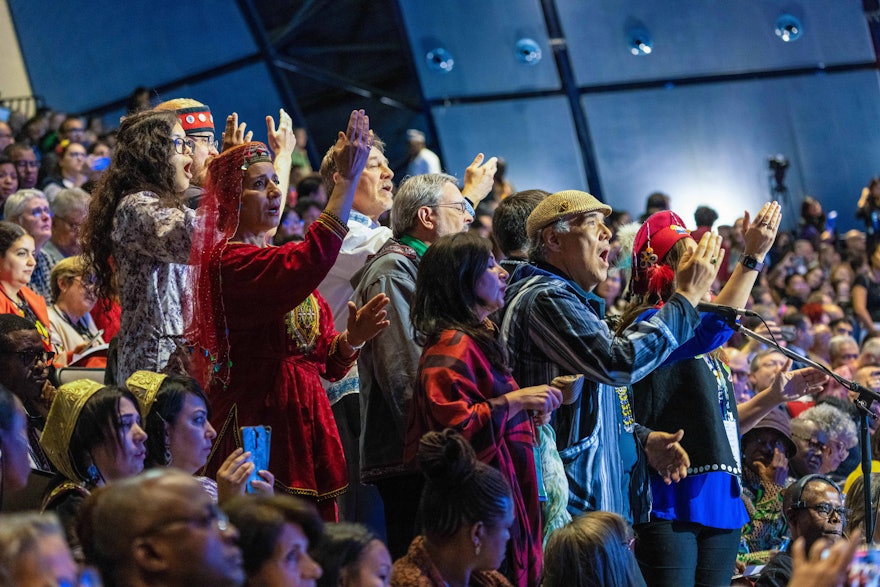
column 256, row 440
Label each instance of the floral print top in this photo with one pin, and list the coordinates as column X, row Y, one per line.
column 151, row 245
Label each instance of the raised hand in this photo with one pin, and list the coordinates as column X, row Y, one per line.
column 233, row 474
column 352, row 147
column 698, row 268
column 479, row 178
column 824, row 567
column 776, row 472
column 368, row 321
column 234, row 134
column 667, row 456
column 761, row 234
column 282, row 141
column 790, row 385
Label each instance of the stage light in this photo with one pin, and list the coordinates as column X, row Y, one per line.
column 528, row 51
column 788, row 28
column 439, row 60
column 639, row 41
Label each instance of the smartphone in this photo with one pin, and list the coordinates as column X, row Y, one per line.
column 101, row 163
column 256, row 440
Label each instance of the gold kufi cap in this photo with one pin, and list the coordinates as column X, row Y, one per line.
column 145, row 386
column 61, row 421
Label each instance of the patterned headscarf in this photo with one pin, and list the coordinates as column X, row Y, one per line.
column 216, row 222
column 61, row 422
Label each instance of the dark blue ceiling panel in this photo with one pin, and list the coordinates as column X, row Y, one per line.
column 480, row 38
column 690, row 38
column 81, row 55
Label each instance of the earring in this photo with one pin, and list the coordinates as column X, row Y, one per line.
column 93, row 474
column 168, row 456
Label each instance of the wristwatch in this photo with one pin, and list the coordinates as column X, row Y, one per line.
column 750, row 262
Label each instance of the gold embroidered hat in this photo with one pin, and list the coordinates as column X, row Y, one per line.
column 145, row 387
column 63, row 414
column 561, row 205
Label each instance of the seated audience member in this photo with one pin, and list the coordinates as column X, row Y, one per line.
column 73, row 330
column 594, row 550
column 17, row 250
column 179, row 433
column 466, row 512
column 8, row 180
column 69, row 169
column 803, row 336
column 14, row 464
column 352, row 556
column 738, row 362
column 69, row 211
column 33, row 552
column 830, row 415
column 813, row 509
column 843, row 351
column 855, row 503
column 159, row 529
column 275, row 534
column 92, row 436
column 308, row 211
column 30, row 210
column 24, row 371
column 817, row 441
column 841, row 327
column 766, row 449
column 27, row 165
column 312, row 187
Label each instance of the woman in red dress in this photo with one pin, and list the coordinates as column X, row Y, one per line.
column 264, row 336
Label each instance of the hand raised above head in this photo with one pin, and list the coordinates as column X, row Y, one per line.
column 282, row 139
column 352, row 147
column 479, row 177
column 761, row 234
column 234, row 134
column 698, row 268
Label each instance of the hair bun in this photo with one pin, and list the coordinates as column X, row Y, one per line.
column 447, row 459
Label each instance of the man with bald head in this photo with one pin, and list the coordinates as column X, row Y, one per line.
column 159, row 528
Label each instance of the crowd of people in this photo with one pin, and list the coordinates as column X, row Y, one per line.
column 464, row 384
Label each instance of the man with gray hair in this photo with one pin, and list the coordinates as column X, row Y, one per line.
column 69, row 211
column 426, row 207
column 552, row 326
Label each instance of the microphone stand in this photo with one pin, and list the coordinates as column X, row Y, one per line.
column 863, row 400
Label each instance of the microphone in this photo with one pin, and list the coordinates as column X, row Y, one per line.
column 726, row 311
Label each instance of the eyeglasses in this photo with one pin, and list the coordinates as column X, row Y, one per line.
column 73, row 226
column 460, row 206
column 772, row 443
column 181, row 145
column 814, row 445
column 825, row 509
column 205, row 520
column 30, row 357
column 28, row 164
column 207, row 141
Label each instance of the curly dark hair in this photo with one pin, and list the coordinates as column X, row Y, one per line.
column 446, row 297
column 141, row 162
